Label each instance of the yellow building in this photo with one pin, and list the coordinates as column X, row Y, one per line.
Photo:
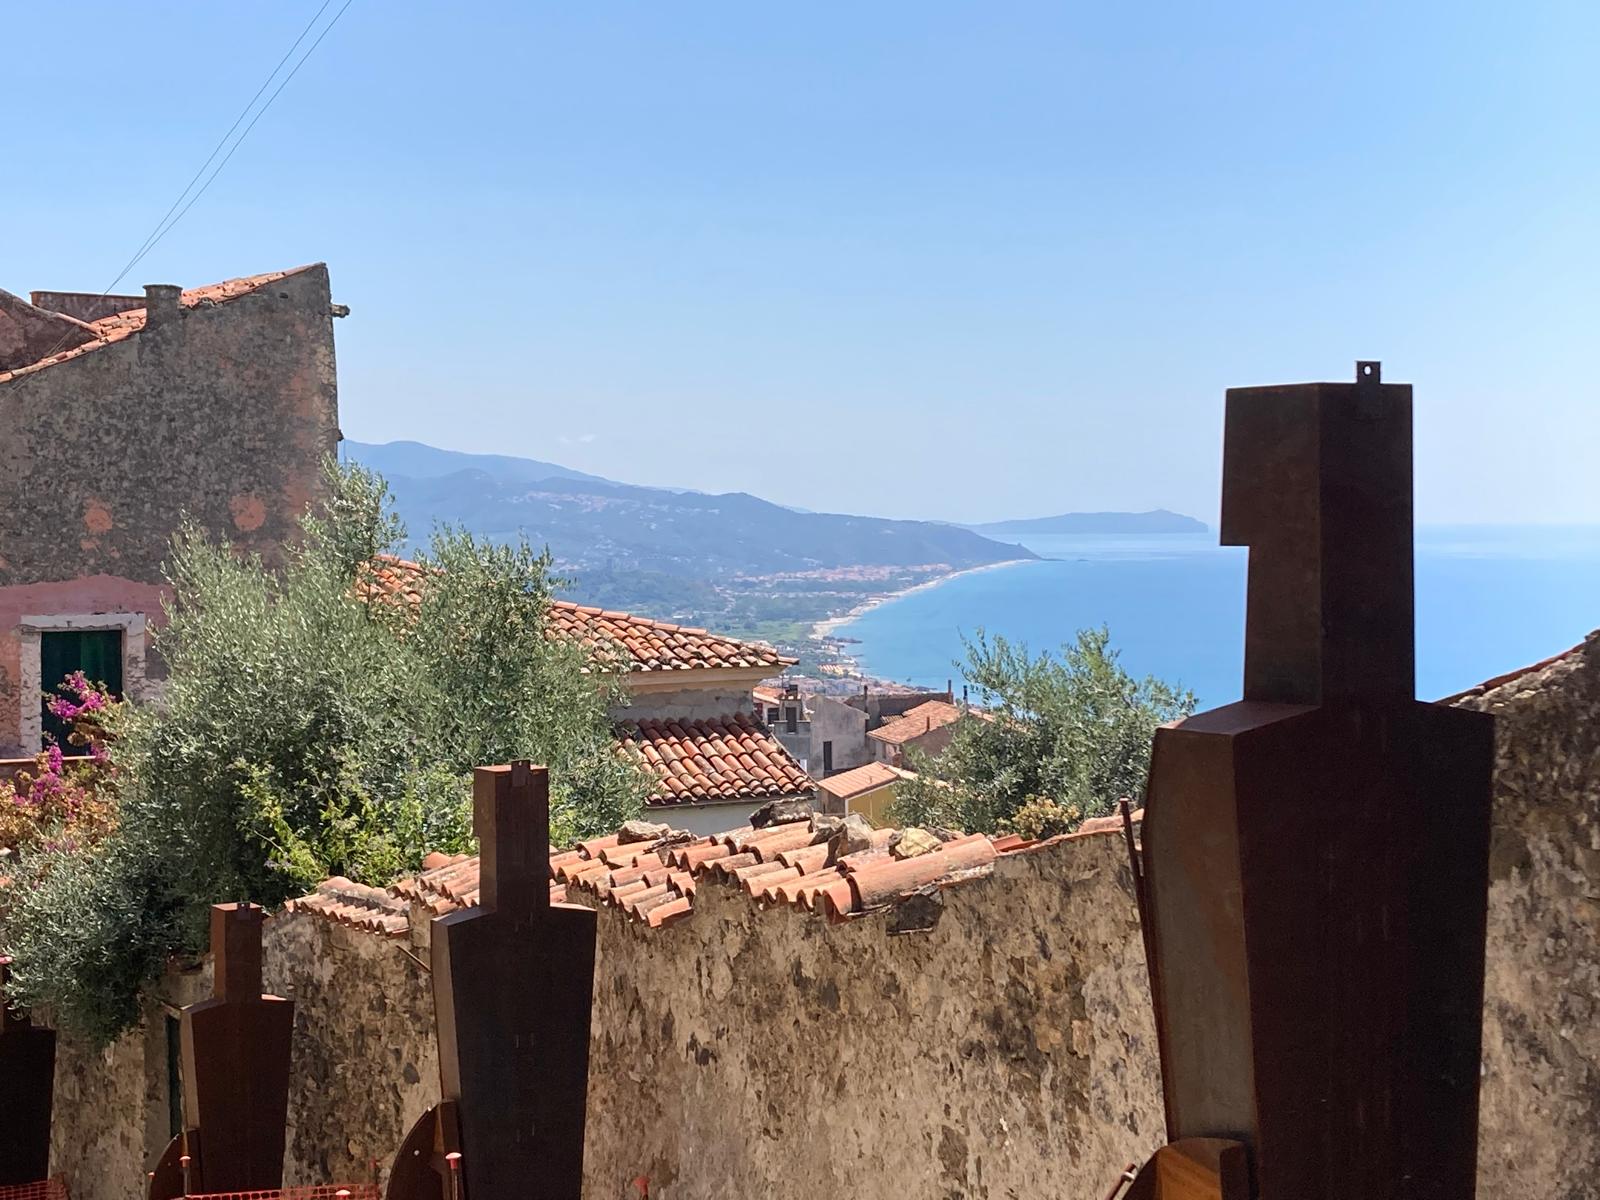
column 868, row 790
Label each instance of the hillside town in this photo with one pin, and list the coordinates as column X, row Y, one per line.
column 765, row 981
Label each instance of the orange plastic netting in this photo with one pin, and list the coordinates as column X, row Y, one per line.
column 45, row 1189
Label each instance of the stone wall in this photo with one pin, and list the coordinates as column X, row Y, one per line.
column 365, row 1064
column 1541, row 1020
column 1007, row 1051
column 688, row 703
column 113, row 1106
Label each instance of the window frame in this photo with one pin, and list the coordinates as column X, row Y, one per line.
column 30, row 636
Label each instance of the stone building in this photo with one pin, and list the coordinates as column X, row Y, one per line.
column 869, row 790
column 119, row 417
column 927, row 729
column 829, row 734
column 972, row 1022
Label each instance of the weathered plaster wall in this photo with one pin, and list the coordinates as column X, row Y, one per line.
column 685, row 703
column 1008, row 1051
column 97, row 594
column 846, row 727
column 224, row 412
column 703, row 819
column 1540, row 1127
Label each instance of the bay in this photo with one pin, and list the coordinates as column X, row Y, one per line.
column 1490, row 599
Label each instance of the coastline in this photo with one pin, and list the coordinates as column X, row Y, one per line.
column 828, row 628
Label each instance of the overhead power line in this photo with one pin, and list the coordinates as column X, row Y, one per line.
column 162, row 231
column 168, row 219
column 154, row 234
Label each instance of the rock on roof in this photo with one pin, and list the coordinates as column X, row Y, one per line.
column 655, row 883
column 649, row 645
column 722, row 760
column 120, row 325
column 915, row 722
column 857, row 781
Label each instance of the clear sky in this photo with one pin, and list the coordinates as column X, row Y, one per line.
column 913, row 259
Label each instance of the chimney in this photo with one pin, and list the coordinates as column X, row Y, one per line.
column 161, row 303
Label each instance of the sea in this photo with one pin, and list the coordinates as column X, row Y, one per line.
column 1490, row 599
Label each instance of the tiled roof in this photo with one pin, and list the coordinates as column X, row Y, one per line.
column 650, row 645
column 722, row 760
column 130, row 321
column 447, row 882
column 655, row 883
column 859, row 780
column 1500, row 681
column 916, row 722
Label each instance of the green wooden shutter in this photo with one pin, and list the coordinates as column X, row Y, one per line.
column 95, row 652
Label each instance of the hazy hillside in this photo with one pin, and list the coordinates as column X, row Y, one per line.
column 592, row 524
column 415, row 460
column 1156, row 521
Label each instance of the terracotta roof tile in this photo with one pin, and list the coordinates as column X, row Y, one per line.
column 356, row 905
column 915, row 722
column 655, row 884
column 722, row 760
column 857, row 781
column 130, row 321
column 645, row 644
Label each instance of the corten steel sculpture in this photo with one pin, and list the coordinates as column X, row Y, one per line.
column 27, row 1083
column 235, row 1049
column 1315, row 856
column 512, row 983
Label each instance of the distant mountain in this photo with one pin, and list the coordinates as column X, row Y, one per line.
column 594, row 526
column 414, row 460
column 1156, row 521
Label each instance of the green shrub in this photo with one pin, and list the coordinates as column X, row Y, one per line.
column 1058, row 740
column 312, row 727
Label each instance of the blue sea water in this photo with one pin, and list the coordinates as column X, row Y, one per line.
column 1490, row 599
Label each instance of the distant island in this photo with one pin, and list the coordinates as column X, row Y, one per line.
column 1156, row 521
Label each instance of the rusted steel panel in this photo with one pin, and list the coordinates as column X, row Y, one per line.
column 27, row 1085
column 1316, row 855
column 235, row 1056
column 512, row 992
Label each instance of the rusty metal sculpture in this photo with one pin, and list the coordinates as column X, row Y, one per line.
column 512, row 983
column 1315, row 856
column 235, row 1073
column 27, row 1083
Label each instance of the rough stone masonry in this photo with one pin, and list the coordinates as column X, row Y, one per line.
column 217, row 404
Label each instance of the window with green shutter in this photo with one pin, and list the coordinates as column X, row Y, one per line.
column 95, row 652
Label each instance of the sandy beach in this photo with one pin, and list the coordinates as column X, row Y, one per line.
column 829, row 627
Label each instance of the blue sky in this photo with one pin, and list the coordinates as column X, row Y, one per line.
column 915, row 259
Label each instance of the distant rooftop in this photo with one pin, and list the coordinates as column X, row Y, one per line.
column 650, row 645
column 724, row 760
column 916, row 721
